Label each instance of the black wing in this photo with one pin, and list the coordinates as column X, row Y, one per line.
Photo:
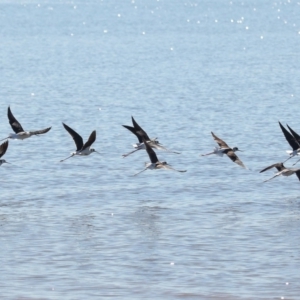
column 132, row 129
column 15, row 125
column 139, row 130
column 230, row 153
column 76, row 137
column 298, row 174
column 278, row 166
column 151, row 153
column 42, row 131
column 220, row 142
column 90, row 141
column 3, row 148
column 290, row 139
column 295, row 134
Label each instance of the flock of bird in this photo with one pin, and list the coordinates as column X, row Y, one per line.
column 144, row 142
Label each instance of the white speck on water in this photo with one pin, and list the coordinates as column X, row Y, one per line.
column 143, row 32
column 261, row 37
column 112, row 214
column 287, row 283
column 105, row 30
column 188, row 20
column 72, row 34
column 172, row 263
column 198, row 22
column 282, row 298
column 171, row 48
column 231, row 21
column 247, row 27
column 32, row 94
column 74, row 6
column 83, row 23
column 216, row 21
column 99, row 108
column 119, row 15
column 254, row 9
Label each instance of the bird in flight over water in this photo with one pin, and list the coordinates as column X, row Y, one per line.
column 140, row 134
column 20, row 133
column 3, row 149
column 282, row 170
column 155, row 163
column 81, row 149
column 225, row 149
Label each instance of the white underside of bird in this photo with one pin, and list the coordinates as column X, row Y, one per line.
column 85, row 152
column 217, row 151
column 293, row 152
column 20, row 136
column 139, row 146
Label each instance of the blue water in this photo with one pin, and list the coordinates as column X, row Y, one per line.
column 88, row 229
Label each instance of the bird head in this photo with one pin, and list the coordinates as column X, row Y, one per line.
column 155, row 141
column 234, row 149
column 93, row 150
column 3, row 161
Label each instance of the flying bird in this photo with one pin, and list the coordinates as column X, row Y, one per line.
column 20, row 133
column 225, row 149
column 81, row 149
column 141, row 134
column 155, row 163
column 292, row 140
column 282, row 170
column 3, row 149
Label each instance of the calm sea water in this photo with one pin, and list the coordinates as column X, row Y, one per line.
column 88, row 229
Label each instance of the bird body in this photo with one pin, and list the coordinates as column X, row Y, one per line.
column 81, row 149
column 3, row 148
column 293, row 139
column 20, row 133
column 142, row 135
column 225, row 149
column 282, row 170
column 293, row 152
column 155, row 163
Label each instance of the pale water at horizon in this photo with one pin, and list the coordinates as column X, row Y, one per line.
column 86, row 228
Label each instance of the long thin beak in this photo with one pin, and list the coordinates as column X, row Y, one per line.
column 4, row 139
column 7, row 163
column 97, row 152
